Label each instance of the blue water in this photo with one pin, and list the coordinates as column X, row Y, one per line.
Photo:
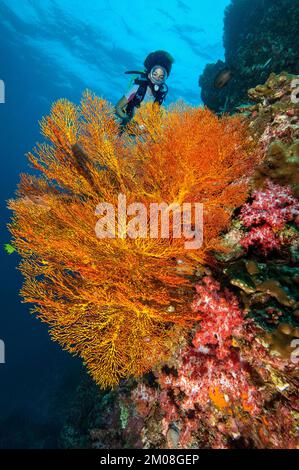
column 51, row 49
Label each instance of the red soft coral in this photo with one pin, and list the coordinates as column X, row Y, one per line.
column 268, row 213
column 276, row 205
column 220, row 313
column 264, row 237
column 217, row 390
column 204, row 378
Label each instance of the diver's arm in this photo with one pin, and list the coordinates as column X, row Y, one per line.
column 119, row 107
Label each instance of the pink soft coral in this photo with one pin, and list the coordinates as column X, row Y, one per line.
column 220, row 313
column 268, row 213
column 204, row 378
column 217, row 387
column 264, row 237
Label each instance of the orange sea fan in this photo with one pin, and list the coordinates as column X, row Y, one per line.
column 120, row 303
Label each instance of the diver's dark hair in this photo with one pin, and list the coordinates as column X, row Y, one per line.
column 162, row 58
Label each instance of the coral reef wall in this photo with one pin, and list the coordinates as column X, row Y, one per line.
column 118, row 300
column 232, row 379
column 260, row 37
column 200, row 346
column 234, row 383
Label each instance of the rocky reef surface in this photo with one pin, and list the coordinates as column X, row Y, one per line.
column 233, row 380
column 259, row 39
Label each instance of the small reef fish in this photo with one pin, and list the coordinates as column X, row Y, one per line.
column 222, row 78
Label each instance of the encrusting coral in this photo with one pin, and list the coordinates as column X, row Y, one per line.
column 120, row 303
column 281, row 164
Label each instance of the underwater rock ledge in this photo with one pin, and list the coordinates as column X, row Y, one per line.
column 259, row 38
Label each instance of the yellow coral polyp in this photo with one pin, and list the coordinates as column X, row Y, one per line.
column 106, row 299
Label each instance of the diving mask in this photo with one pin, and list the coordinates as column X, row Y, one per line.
column 158, row 75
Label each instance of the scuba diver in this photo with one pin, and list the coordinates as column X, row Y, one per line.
column 149, row 86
